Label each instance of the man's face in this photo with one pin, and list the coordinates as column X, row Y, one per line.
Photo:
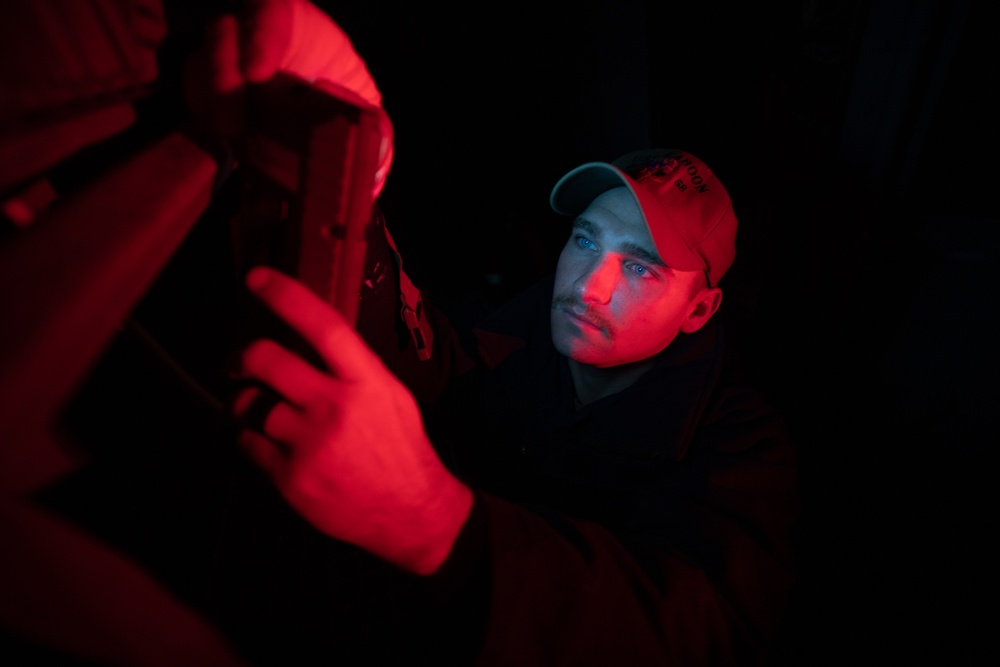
column 615, row 301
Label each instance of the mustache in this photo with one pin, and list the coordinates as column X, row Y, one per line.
column 575, row 306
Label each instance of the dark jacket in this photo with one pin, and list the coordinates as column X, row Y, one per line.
column 649, row 527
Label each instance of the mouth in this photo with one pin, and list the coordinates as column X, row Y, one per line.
column 580, row 319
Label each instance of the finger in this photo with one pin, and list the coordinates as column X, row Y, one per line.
column 226, row 81
column 264, row 412
column 294, row 378
column 251, row 406
column 265, row 453
column 222, row 40
column 285, row 425
column 340, row 347
column 266, row 32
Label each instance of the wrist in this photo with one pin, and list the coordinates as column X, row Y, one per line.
column 434, row 532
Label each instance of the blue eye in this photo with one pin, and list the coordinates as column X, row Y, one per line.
column 584, row 242
column 638, row 269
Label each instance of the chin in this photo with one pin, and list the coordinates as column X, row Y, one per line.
column 592, row 357
column 611, row 358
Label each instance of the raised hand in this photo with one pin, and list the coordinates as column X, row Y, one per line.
column 346, row 446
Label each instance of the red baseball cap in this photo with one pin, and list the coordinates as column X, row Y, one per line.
column 685, row 206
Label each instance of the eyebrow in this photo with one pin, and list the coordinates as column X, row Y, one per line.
column 628, row 247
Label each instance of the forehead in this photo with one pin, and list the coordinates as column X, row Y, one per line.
column 615, row 205
column 615, row 217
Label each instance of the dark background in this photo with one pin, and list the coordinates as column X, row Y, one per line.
column 858, row 142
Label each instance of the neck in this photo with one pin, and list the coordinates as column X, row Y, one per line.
column 593, row 383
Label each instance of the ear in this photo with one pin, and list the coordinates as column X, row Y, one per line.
column 703, row 306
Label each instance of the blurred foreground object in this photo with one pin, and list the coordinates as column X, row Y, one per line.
column 75, row 258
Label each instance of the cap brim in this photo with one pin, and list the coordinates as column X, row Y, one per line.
column 578, row 188
column 582, row 185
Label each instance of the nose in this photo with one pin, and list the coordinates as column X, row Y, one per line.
column 597, row 284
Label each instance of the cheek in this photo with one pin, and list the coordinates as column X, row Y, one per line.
column 563, row 272
column 644, row 328
column 643, row 341
column 631, row 311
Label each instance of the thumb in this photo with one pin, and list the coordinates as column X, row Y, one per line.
column 213, row 85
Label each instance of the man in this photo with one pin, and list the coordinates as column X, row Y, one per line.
column 588, row 482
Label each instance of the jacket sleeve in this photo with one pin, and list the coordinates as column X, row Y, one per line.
column 413, row 337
